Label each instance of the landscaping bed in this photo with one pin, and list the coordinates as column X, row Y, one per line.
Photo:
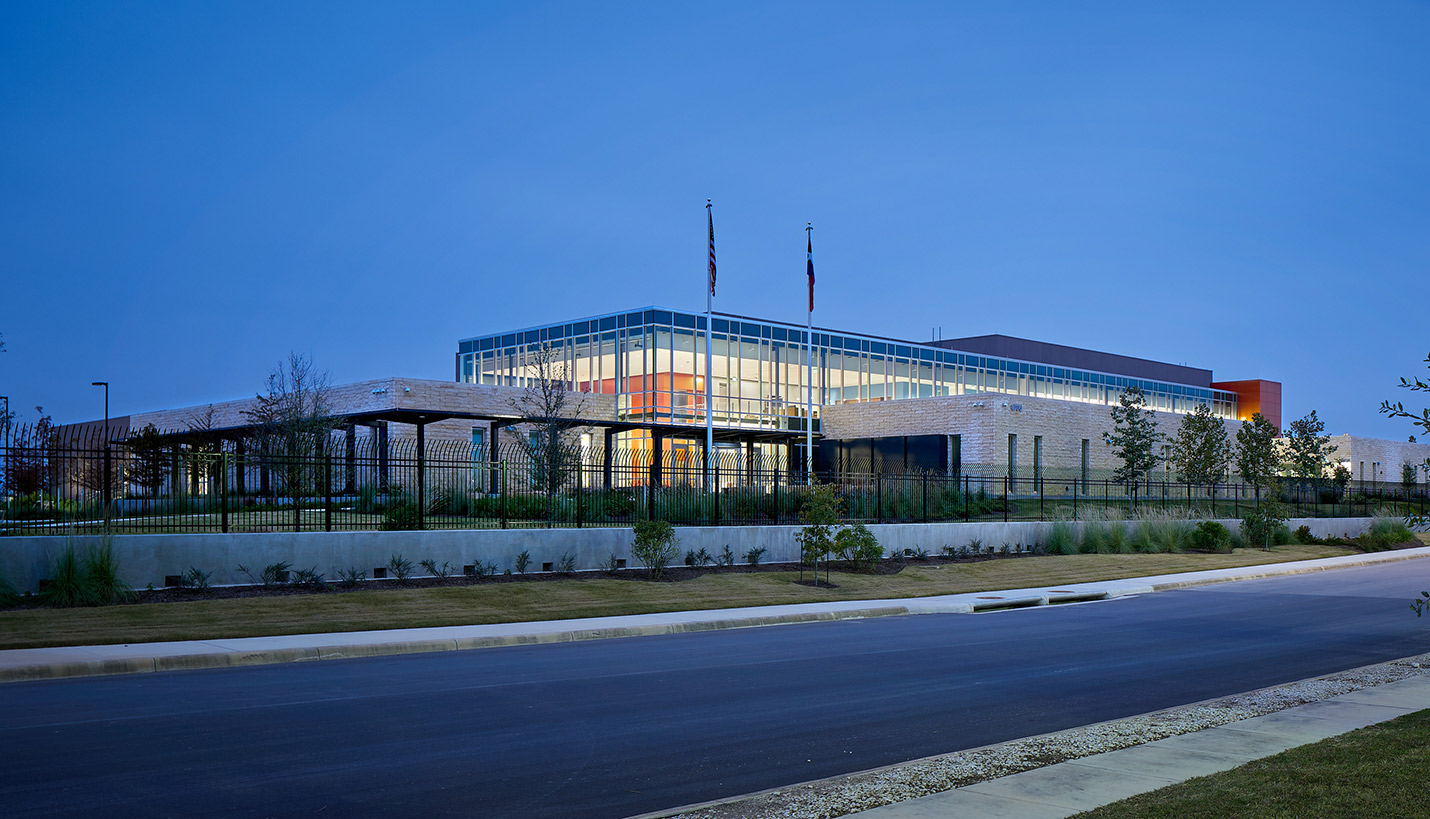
column 256, row 611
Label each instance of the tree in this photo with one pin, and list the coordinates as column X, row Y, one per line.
column 291, row 422
column 1202, row 449
column 27, row 465
column 1408, row 475
column 820, row 512
column 1307, row 449
column 1397, row 410
column 147, row 464
column 548, row 409
column 1256, row 457
column 1134, row 437
column 205, row 449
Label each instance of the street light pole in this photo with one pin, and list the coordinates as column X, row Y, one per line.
column 5, row 448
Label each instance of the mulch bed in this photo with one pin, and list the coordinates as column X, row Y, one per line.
column 673, row 574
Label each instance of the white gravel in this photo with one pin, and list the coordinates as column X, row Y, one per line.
column 843, row 795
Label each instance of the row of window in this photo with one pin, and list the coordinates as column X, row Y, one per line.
column 658, row 371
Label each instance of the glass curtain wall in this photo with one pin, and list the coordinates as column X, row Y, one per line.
column 653, row 361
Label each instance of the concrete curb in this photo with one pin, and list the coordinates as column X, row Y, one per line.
column 20, row 665
column 224, row 658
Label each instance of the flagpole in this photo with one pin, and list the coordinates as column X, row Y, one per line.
column 809, row 359
column 709, row 304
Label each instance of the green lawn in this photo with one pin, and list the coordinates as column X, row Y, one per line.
column 585, row 596
column 1380, row 771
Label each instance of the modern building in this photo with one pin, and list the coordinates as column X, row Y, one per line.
column 984, row 406
column 949, row 404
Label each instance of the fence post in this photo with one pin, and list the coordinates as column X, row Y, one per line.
column 777, row 494
column 967, row 509
column 421, row 477
column 502, row 466
column 878, row 497
column 1040, row 500
column 107, row 496
column 579, row 493
column 223, row 492
column 716, row 521
column 294, row 489
column 1074, row 488
column 328, row 492
column 1005, row 498
column 926, row 497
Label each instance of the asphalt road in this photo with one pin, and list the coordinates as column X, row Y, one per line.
column 618, row 727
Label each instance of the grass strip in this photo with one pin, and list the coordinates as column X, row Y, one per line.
column 581, row 596
column 1375, row 771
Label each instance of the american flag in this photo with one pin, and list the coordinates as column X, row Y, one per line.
column 711, row 217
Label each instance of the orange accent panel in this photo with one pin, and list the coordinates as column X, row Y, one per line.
column 1256, row 395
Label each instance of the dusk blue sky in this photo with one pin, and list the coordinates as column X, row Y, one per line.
column 190, row 190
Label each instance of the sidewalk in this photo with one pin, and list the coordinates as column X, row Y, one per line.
column 1069, row 788
column 80, row 661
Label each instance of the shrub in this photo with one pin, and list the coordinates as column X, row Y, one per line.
column 566, row 564
column 856, row 544
column 1060, row 540
column 1094, row 538
column 65, row 588
column 101, row 577
column 352, row 576
column 1303, row 536
column 612, row 564
column 194, row 580
column 695, row 559
column 725, row 559
column 400, row 567
column 523, row 560
column 400, row 515
column 443, row 571
column 9, row 596
column 454, row 501
column 1157, row 535
column 1117, row 541
column 272, row 575
column 310, row 577
column 654, row 546
column 368, row 501
column 1210, row 536
column 1390, row 530
column 753, row 556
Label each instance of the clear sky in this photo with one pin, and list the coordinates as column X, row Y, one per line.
column 190, row 190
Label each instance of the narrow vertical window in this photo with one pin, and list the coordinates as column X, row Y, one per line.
column 1012, row 457
column 1085, row 443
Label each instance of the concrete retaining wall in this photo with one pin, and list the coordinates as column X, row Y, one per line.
column 148, row 559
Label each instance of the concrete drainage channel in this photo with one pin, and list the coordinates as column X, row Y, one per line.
column 988, row 603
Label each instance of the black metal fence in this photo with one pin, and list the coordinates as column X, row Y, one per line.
column 453, row 485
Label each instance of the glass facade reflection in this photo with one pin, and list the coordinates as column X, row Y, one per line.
column 653, row 360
